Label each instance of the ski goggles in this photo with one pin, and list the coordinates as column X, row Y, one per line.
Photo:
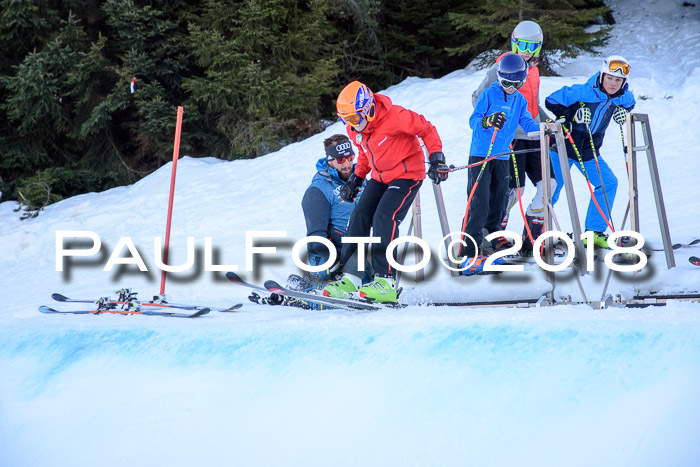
column 618, row 65
column 351, row 119
column 527, row 46
column 505, row 83
column 341, row 160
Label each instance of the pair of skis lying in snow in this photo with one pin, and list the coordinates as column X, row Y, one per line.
column 127, row 305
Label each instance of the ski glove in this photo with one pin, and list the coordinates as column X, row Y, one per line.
column 497, row 120
column 438, row 171
column 620, row 115
column 349, row 191
column 583, row 115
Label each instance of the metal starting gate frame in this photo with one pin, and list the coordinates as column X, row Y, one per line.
column 632, row 147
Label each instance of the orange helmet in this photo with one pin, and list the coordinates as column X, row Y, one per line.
column 355, row 103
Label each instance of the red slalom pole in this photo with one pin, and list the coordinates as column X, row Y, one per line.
column 176, row 153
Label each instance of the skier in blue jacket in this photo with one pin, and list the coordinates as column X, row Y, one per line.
column 501, row 108
column 326, row 214
column 591, row 106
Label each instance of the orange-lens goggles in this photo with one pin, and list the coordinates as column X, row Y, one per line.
column 341, row 160
column 352, row 119
column 615, row 65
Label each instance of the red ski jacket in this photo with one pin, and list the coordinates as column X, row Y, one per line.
column 389, row 145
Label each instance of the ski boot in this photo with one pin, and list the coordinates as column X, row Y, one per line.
column 382, row 289
column 600, row 240
column 536, row 224
column 478, row 266
column 343, row 287
column 501, row 243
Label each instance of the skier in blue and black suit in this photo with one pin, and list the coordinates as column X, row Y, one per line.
column 603, row 97
column 326, row 214
column 499, row 108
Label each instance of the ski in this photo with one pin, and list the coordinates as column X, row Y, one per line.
column 344, row 303
column 694, row 260
column 274, row 299
column 678, row 246
column 167, row 314
column 114, row 303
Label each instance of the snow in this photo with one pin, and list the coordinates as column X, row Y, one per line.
column 566, row 385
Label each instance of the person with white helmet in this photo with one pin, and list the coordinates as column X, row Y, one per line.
column 588, row 108
column 526, row 41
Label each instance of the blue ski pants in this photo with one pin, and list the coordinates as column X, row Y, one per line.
column 594, row 220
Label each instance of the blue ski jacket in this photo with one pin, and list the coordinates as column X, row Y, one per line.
column 565, row 102
column 325, row 213
column 514, row 106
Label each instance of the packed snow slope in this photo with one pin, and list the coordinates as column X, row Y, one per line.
column 424, row 385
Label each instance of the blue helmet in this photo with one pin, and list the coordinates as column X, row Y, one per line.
column 512, row 71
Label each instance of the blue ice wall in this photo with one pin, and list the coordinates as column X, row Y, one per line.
column 447, row 388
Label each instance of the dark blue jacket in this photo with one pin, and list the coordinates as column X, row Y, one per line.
column 325, row 213
column 565, row 102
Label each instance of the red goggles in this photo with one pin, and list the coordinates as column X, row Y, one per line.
column 341, row 160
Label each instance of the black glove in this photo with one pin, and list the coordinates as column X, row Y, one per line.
column 620, row 115
column 438, row 171
column 497, row 120
column 349, row 191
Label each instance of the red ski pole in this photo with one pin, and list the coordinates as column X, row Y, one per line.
column 176, row 152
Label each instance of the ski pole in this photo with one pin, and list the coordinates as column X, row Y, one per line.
column 478, row 177
column 597, row 166
column 490, row 158
column 585, row 174
column 520, row 199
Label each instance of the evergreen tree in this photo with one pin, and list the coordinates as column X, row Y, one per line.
column 252, row 75
column 488, row 26
column 268, row 65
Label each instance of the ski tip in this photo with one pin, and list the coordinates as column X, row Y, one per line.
column 201, row 312
column 233, row 277
column 694, row 260
column 59, row 298
column 232, row 308
column 47, row 309
column 273, row 286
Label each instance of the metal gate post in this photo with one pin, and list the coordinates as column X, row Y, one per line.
column 569, row 189
column 418, row 228
column 648, row 147
column 444, row 225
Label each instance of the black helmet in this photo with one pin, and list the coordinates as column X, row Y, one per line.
column 512, row 71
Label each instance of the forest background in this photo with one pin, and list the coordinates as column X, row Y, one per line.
column 252, row 75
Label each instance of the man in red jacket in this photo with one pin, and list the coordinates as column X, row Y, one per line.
column 386, row 137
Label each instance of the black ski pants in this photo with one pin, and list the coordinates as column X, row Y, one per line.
column 529, row 163
column 487, row 206
column 381, row 209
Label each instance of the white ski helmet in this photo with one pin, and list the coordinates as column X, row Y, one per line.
column 527, row 37
column 616, row 65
